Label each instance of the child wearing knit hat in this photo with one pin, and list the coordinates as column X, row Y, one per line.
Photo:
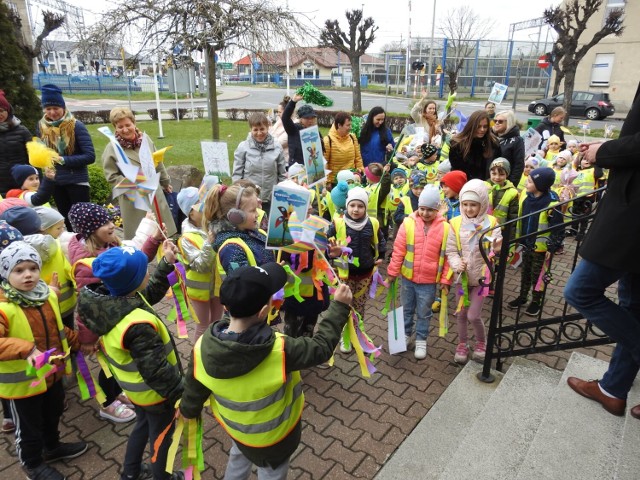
column 378, row 188
column 138, row 346
column 451, row 184
column 31, row 189
column 51, row 221
column 422, row 268
column 553, row 148
column 538, row 198
column 409, row 202
column 503, row 196
column 399, row 189
column 362, row 234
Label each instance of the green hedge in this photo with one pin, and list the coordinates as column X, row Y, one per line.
column 100, row 188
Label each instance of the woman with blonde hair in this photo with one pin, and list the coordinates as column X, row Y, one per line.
column 425, row 114
column 511, row 143
column 551, row 125
column 130, row 139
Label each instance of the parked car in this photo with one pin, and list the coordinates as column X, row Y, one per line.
column 142, row 80
column 592, row 105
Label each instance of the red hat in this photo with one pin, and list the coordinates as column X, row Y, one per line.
column 454, row 180
column 4, row 103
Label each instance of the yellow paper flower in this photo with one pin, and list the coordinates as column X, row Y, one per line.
column 158, row 155
column 40, row 156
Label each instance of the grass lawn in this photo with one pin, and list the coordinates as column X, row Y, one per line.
column 185, row 136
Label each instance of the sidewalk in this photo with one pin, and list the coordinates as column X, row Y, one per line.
column 351, row 425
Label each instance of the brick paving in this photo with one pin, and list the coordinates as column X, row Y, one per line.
column 351, row 425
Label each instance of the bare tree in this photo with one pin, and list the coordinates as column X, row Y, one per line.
column 353, row 43
column 52, row 21
column 207, row 25
column 570, row 20
column 462, row 27
column 557, row 53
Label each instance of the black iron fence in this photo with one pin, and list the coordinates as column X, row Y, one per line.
column 557, row 326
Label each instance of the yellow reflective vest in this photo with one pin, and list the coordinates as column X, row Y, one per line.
column 259, row 408
column 407, row 263
column 342, row 263
column 199, row 285
column 14, row 381
column 122, row 364
column 221, row 274
column 543, row 224
column 585, row 182
column 501, row 211
column 60, row 265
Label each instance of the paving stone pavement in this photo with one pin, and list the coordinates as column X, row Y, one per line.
column 351, row 425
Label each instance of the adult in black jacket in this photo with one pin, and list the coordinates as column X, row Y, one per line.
column 551, row 126
column 511, row 143
column 473, row 149
column 609, row 255
column 13, row 145
column 60, row 131
column 307, row 116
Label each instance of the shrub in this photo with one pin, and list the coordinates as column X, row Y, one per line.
column 153, row 113
column 103, row 115
column 85, row 116
column 100, row 188
column 178, row 113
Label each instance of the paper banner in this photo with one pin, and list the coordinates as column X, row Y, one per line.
column 311, row 142
column 287, row 199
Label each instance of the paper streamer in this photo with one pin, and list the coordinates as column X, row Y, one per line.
column 444, row 314
column 362, row 344
column 377, row 283
column 544, row 277
column 89, row 388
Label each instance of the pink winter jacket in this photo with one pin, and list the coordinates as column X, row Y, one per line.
column 468, row 237
column 84, row 275
column 426, row 251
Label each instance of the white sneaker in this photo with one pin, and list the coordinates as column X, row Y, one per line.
column 409, row 341
column 421, row 349
column 344, row 348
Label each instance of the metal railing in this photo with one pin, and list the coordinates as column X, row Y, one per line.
column 557, row 326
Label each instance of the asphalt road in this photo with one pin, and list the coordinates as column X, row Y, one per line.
column 260, row 97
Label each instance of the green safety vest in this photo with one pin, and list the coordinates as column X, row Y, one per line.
column 395, row 197
column 372, row 206
column 122, row 364
column 501, row 210
column 60, row 265
column 221, row 274
column 14, row 381
column 543, row 224
column 199, row 285
column 585, row 182
column 259, row 408
column 341, row 262
column 407, row 264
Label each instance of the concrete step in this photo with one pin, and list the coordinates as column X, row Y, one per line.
column 498, row 441
column 576, row 438
column 427, row 450
column 628, row 467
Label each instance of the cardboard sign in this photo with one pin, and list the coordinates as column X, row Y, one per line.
column 312, row 153
column 286, row 198
column 215, row 157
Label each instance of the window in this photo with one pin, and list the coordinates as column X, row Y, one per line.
column 62, row 54
column 601, row 69
column 612, row 5
column 52, row 57
column 583, row 97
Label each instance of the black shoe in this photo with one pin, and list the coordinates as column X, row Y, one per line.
column 145, row 473
column 43, row 472
column 65, row 450
column 533, row 310
column 177, row 476
column 518, row 302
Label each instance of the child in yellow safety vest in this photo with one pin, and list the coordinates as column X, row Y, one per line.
column 399, row 190
column 471, row 273
column 367, row 246
column 378, row 187
column 409, row 203
column 430, row 162
column 419, row 256
column 503, row 196
column 32, row 338
column 32, row 190
column 251, row 373
column 451, row 184
column 584, row 184
column 139, row 348
column 198, row 258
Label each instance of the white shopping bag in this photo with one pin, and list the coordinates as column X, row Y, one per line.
column 397, row 343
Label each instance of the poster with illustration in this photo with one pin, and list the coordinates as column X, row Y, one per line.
column 498, row 91
column 215, row 157
column 312, row 152
column 531, row 141
column 287, row 197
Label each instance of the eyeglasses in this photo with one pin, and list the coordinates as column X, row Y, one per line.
column 501, row 121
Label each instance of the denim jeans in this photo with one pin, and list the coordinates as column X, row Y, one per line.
column 239, row 467
column 417, row 299
column 621, row 321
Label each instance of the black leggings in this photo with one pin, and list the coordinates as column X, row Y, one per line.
column 66, row 196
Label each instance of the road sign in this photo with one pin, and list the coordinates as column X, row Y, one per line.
column 225, row 66
column 398, row 57
column 543, row 62
column 439, row 69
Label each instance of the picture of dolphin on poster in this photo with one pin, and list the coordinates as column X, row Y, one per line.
column 312, row 152
column 498, row 91
column 287, row 197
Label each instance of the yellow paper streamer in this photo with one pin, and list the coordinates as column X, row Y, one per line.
column 158, row 155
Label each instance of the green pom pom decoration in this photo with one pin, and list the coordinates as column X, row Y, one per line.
column 311, row 94
column 356, row 125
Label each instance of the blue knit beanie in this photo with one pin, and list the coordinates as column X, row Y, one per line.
column 25, row 219
column 121, row 269
column 8, row 235
column 52, row 96
column 339, row 194
column 543, row 178
column 399, row 171
column 21, row 172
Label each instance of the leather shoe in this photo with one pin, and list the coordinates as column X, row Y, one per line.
column 635, row 412
column 591, row 390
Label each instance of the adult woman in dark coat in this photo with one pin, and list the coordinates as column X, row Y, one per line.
column 60, row 130
column 473, row 149
column 511, row 143
column 551, row 125
column 13, row 145
column 609, row 255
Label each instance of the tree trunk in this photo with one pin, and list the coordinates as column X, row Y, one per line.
column 569, row 81
column 556, row 81
column 213, row 96
column 356, row 105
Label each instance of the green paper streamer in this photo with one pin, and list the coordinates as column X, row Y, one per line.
column 356, row 125
column 311, row 94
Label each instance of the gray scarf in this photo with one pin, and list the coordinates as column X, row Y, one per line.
column 356, row 225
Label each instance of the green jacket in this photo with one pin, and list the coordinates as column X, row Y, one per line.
column 227, row 356
column 101, row 312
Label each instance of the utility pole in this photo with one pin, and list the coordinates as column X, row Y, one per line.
column 408, row 58
column 433, row 28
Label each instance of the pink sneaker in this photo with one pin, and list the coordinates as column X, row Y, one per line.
column 479, row 351
column 118, row 413
column 125, row 401
column 462, row 354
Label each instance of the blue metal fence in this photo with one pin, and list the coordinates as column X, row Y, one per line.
column 78, row 84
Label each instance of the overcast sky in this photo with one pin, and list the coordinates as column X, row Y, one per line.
column 392, row 16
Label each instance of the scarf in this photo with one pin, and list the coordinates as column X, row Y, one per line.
column 130, row 144
column 11, row 123
column 32, row 298
column 263, row 146
column 356, row 225
column 59, row 134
